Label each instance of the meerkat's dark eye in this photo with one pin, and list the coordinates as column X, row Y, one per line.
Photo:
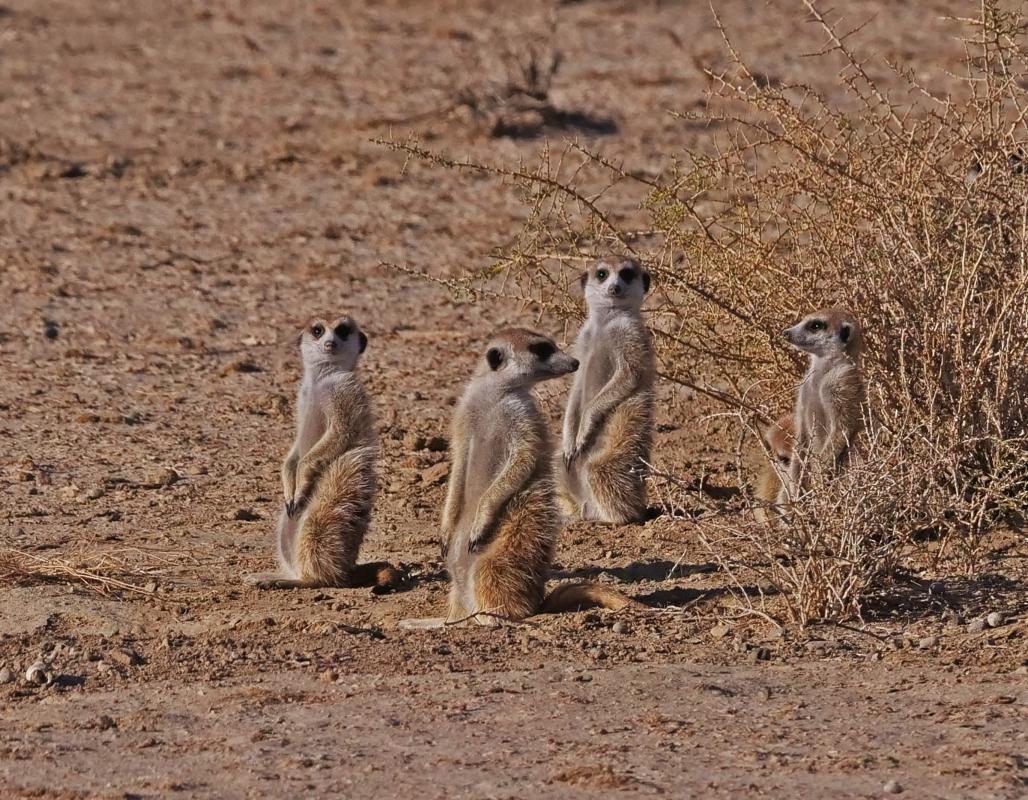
column 343, row 330
column 317, row 331
column 494, row 357
column 542, row 350
column 784, row 460
column 816, row 325
column 601, row 275
column 627, row 274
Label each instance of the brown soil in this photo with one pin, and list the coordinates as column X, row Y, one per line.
column 183, row 183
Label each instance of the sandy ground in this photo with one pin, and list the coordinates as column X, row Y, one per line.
column 183, row 184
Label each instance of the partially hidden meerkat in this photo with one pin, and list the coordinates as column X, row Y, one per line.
column 608, row 424
column 829, row 411
column 329, row 474
column 500, row 520
column 778, row 439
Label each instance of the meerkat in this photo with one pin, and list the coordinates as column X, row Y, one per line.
column 500, row 520
column 829, row 405
column 778, row 442
column 608, row 424
column 328, row 477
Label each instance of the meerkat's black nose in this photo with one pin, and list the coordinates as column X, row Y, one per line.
column 574, row 365
column 330, row 345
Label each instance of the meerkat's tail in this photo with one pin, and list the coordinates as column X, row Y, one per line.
column 381, row 576
column 574, row 596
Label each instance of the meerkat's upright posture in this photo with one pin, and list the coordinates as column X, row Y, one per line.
column 608, row 425
column 500, row 521
column 779, row 438
column 329, row 475
column 829, row 404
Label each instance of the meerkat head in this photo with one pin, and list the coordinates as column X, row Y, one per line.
column 333, row 344
column 826, row 333
column 522, row 357
column 615, row 283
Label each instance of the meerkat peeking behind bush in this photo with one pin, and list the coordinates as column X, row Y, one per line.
column 829, row 413
column 608, row 424
column 329, row 475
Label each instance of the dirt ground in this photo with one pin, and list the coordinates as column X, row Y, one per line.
column 183, row 183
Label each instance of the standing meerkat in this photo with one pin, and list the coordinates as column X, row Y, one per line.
column 608, row 425
column 829, row 405
column 329, row 475
column 500, row 520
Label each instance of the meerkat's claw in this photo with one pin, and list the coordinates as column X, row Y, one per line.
column 569, row 458
column 290, row 508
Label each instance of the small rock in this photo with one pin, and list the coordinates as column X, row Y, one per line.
column 620, row 627
column 893, row 787
column 246, row 515
column 976, row 625
column 37, row 674
column 994, row 620
column 125, row 657
column 435, row 475
column 437, row 444
column 51, row 330
column 720, row 631
column 928, row 643
column 105, row 723
column 817, row 645
column 164, row 476
column 6, row 675
column 329, row 676
column 95, row 493
column 243, row 365
column 760, row 654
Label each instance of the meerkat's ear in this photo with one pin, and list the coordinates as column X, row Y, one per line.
column 844, row 332
column 494, row 357
column 364, row 340
column 646, row 281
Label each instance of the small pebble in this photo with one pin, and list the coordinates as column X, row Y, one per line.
column 37, row 674
column 95, row 493
column 619, row 627
column 995, row 619
column 329, row 676
column 976, row 625
column 6, row 675
column 893, row 787
column 928, row 642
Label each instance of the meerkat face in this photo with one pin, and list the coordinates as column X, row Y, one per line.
column 615, row 283
column 831, row 331
column 335, row 344
column 524, row 357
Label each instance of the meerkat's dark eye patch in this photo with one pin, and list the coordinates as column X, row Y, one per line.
column 363, row 339
column 494, row 357
column 343, row 330
column 601, row 275
column 816, row 325
column 784, row 460
column 627, row 274
column 317, row 330
column 646, row 282
column 542, row 350
column 844, row 333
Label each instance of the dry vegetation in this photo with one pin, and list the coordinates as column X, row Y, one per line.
column 907, row 208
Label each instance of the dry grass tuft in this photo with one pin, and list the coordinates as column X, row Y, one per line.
column 910, row 210
column 105, row 573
